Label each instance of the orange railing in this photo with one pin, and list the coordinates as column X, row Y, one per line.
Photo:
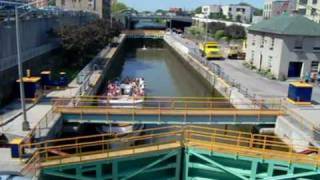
column 79, row 149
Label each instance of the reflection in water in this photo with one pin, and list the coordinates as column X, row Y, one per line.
column 164, row 73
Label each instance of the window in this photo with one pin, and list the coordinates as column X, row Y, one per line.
column 298, row 44
column 314, row 1
column 316, row 46
column 272, row 43
column 270, row 62
column 254, row 40
column 252, row 57
column 262, row 42
column 63, row 2
column 314, row 66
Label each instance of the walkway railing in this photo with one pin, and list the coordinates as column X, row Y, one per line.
column 88, row 148
column 205, row 103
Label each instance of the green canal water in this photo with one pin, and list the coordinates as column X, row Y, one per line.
column 164, row 72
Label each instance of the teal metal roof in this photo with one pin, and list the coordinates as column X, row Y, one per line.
column 296, row 25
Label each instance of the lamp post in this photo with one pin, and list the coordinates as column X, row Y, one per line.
column 206, row 29
column 25, row 123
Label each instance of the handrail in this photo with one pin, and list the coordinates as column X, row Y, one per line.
column 105, row 135
column 46, row 119
column 172, row 103
column 250, row 144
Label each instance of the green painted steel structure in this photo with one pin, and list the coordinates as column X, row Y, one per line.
column 182, row 163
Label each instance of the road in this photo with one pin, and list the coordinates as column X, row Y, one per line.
column 252, row 81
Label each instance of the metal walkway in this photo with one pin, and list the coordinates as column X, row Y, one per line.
column 161, row 110
column 205, row 152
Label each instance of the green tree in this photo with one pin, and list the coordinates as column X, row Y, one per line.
column 118, row 7
column 198, row 10
column 213, row 27
column 81, row 42
column 235, row 32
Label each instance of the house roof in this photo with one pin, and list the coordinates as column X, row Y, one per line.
column 295, row 25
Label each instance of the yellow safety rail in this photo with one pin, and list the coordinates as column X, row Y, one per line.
column 170, row 103
column 88, row 148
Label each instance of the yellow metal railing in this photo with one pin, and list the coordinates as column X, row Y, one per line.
column 79, row 149
column 170, row 103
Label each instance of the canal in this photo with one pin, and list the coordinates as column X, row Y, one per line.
column 165, row 74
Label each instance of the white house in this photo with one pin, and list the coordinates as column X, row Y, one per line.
column 208, row 9
column 288, row 46
column 238, row 12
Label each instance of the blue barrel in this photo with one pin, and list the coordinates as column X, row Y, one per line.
column 45, row 78
column 15, row 145
column 63, row 80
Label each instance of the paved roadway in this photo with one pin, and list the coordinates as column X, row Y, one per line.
column 255, row 83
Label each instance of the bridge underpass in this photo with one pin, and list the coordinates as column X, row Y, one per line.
column 176, row 152
column 160, row 110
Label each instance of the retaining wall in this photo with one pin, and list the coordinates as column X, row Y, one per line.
column 219, row 84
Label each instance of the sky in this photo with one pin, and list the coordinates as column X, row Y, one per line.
column 153, row 5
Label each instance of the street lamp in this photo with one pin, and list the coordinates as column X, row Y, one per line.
column 25, row 123
column 206, row 35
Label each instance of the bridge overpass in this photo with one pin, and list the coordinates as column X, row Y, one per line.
column 171, row 21
column 174, row 152
column 162, row 110
column 154, row 17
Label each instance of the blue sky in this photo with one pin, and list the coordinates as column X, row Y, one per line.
column 187, row 4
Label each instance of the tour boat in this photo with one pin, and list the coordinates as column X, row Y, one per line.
column 124, row 94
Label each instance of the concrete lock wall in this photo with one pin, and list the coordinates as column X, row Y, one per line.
column 36, row 40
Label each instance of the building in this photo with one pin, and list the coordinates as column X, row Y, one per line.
column 100, row 7
column 310, row 9
column 176, row 11
column 210, row 9
column 287, row 46
column 278, row 7
column 240, row 13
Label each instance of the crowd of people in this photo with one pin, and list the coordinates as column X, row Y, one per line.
column 131, row 87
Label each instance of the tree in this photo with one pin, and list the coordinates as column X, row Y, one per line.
column 235, row 32
column 198, row 10
column 79, row 42
column 213, row 27
column 118, row 7
column 161, row 11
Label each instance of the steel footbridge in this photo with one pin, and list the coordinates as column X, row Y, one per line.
column 172, row 152
column 169, row 110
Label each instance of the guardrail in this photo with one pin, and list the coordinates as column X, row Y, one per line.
column 71, row 150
